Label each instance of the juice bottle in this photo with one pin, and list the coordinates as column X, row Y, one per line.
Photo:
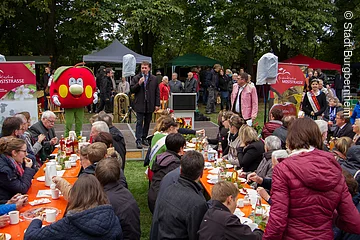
column 234, row 176
column 76, row 145
column 62, row 143
column 69, row 147
column 220, row 150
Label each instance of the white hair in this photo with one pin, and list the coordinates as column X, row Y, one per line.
column 175, row 74
column 279, row 154
column 47, row 115
column 101, row 126
column 165, row 77
column 22, row 117
column 323, row 126
column 272, row 143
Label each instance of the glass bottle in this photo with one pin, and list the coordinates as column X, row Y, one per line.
column 220, row 150
column 234, row 176
column 258, row 210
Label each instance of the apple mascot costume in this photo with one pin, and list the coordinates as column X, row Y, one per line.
column 73, row 88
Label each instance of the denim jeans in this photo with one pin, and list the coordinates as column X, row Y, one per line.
column 142, row 125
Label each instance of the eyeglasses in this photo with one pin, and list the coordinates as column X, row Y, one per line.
column 51, row 121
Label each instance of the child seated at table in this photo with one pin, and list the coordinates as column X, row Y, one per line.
column 219, row 222
column 88, row 215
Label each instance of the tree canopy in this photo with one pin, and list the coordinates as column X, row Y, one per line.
column 236, row 32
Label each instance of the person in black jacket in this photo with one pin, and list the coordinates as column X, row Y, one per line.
column 147, row 100
column 118, row 138
column 219, row 222
column 165, row 163
column 13, row 177
column 181, row 208
column 317, row 97
column 88, row 215
column 105, row 91
column 251, row 149
column 212, row 83
column 123, row 202
column 46, row 127
column 339, row 85
column 190, row 84
column 224, row 87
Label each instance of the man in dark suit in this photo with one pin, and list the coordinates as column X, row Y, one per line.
column 147, row 100
column 343, row 126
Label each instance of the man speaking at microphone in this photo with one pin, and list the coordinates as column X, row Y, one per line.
column 147, row 100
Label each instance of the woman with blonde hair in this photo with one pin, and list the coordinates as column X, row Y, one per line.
column 88, row 215
column 235, row 122
column 342, row 146
column 356, row 130
column 251, row 150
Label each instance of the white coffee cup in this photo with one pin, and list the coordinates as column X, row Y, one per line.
column 240, row 202
column 50, row 215
column 83, row 139
column 67, row 164
column 14, row 217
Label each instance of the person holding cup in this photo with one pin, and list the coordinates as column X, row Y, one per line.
column 14, row 177
column 15, row 203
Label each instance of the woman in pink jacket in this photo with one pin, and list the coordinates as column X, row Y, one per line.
column 309, row 192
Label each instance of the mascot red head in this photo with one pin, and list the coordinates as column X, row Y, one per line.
column 73, row 87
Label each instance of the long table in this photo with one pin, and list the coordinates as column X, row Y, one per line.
column 208, row 187
column 17, row 231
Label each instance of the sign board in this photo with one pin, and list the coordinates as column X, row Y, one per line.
column 289, row 86
column 17, row 89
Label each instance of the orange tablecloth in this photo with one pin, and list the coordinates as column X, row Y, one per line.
column 73, row 172
column 17, row 231
column 207, row 186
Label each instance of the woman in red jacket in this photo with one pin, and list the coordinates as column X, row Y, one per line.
column 164, row 89
column 307, row 188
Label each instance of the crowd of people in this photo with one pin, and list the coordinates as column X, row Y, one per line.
column 306, row 167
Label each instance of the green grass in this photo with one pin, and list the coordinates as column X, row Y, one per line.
column 138, row 186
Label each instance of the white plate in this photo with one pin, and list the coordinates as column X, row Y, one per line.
column 41, row 179
column 212, row 181
column 251, row 191
column 210, row 176
column 228, row 166
column 214, row 171
column 239, row 213
column 242, row 180
column 245, row 220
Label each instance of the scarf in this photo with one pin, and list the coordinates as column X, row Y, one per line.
column 313, row 101
column 332, row 113
column 18, row 167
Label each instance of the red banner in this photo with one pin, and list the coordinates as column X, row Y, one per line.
column 289, row 86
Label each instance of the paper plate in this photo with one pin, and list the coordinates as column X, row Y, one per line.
column 41, row 179
column 7, row 236
column 245, row 220
column 210, row 176
column 212, row 181
column 242, row 180
column 214, row 171
column 239, row 213
column 229, row 166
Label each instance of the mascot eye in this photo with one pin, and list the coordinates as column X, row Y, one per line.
column 72, row 81
column 80, row 81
